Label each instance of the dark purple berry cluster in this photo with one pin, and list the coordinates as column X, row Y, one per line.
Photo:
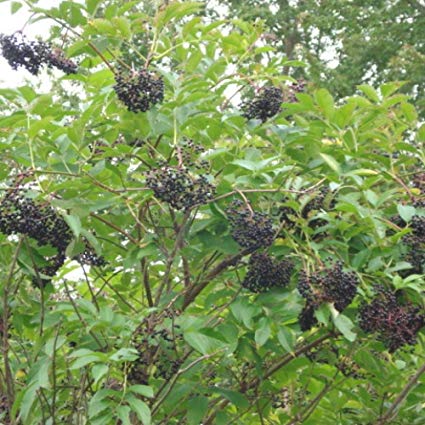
column 139, row 91
column 32, row 55
column 332, row 285
column 190, row 152
column 90, row 258
column 57, row 59
column 415, row 243
column 264, row 273
column 418, row 183
column 158, row 352
column 395, row 322
column 250, row 229
column 178, row 187
column 266, row 104
column 322, row 200
column 293, row 89
column 19, row 214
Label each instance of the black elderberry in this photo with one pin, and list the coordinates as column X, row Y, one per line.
column 249, row 229
column 306, row 318
column 293, row 89
column 179, row 188
column 22, row 53
column 22, row 215
column 331, row 285
column 318, row 202
column 265, row 105
column 55, row 263
column 415, row 246
column 396, row 323
column 157, row 348
column 139, row 91
column 90, row 258
column 418, row 182
column 57, row 59
column 264, row 272
column 32, row 55
column 340, row 287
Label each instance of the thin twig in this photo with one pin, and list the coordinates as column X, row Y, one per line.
column 399, row 399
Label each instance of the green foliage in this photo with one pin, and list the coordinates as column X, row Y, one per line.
column 163, row 329
column 346, row 44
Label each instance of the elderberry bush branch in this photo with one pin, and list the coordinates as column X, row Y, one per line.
column 196, row 288
column 271, row 370
column 76, row 33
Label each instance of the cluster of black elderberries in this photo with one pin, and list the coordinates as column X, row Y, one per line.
column 158, row 350
column 139, row 91
column 179, row 188
column 32, row 55
column 250, row 229
column 293, row 89
column 418, row 183
column 19, row 214
column 331, row 285
column 395, row 322
column 178, row 185
column 264, row 273
column 266, row 104
column 414, row 243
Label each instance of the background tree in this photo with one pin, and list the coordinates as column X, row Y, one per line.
column 170, row 254
column 345, row 44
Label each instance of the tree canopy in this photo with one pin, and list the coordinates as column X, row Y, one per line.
column 190, row 236
column 345, row 44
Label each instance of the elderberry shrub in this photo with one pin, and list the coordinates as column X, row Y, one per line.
column 249, row 229
column 266, row 104
column 395, row 322
column 331, row 285
column 179, row 188
column 264, row 273
column 32, row 55
column 139, row 91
